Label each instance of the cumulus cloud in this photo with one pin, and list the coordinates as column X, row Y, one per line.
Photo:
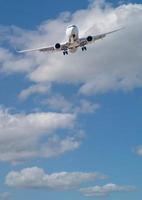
column 138, row 150
column 37, row 178
column 87, row 107
column 61, row 104
column 105, row 190
column 25, row 136
column 58, row 103
column 5, row 195
column 10, row 63
column 34, row 89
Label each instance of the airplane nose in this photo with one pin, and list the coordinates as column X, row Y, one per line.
column 71, row 31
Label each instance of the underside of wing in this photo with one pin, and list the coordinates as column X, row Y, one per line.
column 100, row 36
column 57, row 47
column 91, row 39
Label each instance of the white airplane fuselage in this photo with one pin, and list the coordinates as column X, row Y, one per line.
column 72, row 33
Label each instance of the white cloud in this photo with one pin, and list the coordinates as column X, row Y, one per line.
column 138, row 150
column 61, row 104
column 87, row 107
column 5, row 195
column 58, row 103
column 105, row 190
column 25, row 136
column 36, row 178
column 10, row 63
column 34, row 89
column 111, row 64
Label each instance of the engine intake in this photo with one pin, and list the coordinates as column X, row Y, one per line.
column 89, row 38
column 57, row 46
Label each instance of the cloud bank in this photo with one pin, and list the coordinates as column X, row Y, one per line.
column 105, row 190
column 78, row 106
column 26, row 136
column 36, row 178
column 5, row 196
column 138, row 150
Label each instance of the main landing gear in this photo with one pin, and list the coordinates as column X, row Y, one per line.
column 84, row 48
column 65, row 52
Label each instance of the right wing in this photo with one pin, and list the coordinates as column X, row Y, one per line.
column 101, row 36
column 92, row 39
column 46, row 49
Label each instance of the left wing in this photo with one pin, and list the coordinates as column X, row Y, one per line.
column 92, row 39
column 59, row 47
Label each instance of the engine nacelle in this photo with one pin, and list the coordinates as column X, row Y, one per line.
column 89, row 38
column 57, row 46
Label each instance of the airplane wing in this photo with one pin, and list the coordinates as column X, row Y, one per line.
column 100, row 36
column 59, row 47
column 92, row 39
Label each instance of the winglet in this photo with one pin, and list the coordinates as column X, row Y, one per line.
column 16, row 50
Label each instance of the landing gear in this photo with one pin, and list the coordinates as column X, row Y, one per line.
column 84, row 48
column 65, row 52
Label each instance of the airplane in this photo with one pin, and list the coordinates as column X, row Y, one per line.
column 73, row 43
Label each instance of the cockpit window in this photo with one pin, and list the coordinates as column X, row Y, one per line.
column 71, row 26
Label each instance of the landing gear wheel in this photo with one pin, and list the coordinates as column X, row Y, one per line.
column 65, row 52
column 84, row 48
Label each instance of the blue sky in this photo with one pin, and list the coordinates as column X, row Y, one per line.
column 29, row 14
column 70, row 123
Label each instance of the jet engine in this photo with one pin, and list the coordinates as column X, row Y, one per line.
column 89, row 38
column 57, row 46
